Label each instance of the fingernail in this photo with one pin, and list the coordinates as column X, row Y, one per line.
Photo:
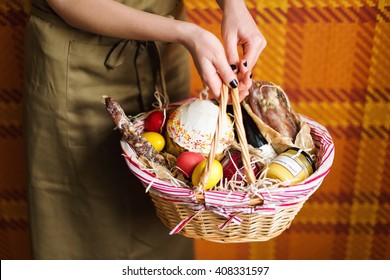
column 250, row 76
column 233, row 84
column 233, row 66
column 245, row 63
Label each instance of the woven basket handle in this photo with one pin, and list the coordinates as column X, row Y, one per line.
column 250, row 176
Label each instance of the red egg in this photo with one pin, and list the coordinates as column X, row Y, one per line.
column 187, row 161
column 154, row 122
column 233, row 166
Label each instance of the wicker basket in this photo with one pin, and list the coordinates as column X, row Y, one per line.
column 254, row 227
column 228, row 217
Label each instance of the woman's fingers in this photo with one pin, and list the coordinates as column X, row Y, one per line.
column 251, row 52
column 232, row 52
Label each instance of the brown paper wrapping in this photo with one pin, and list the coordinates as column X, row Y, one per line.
column 280, row 143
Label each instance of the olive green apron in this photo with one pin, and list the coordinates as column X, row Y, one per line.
column 84, row 202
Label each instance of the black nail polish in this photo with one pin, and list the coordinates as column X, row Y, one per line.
column 245, row 63
column 233, row 66
column 233, row 84
column 250, row 76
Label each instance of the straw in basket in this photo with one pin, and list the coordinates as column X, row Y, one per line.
column 227, row 216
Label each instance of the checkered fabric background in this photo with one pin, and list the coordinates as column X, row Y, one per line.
column 333, row 60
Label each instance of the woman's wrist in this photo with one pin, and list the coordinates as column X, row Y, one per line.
column 186, row 33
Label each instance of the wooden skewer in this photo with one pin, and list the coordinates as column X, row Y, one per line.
column 250, row 176
column 214, row 144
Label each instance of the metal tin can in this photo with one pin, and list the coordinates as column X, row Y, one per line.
column 291, row 167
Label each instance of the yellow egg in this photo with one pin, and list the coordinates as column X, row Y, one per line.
column 215, row 174
column 156, row 139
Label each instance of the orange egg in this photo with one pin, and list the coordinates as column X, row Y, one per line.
column 156, row 139
column 215, row 174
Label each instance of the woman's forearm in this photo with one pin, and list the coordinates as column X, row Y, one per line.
column 230, row 3
column 111, row 18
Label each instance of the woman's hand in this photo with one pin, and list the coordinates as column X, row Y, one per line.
column 239, row 29
column 210, row 59
column 111, row 18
